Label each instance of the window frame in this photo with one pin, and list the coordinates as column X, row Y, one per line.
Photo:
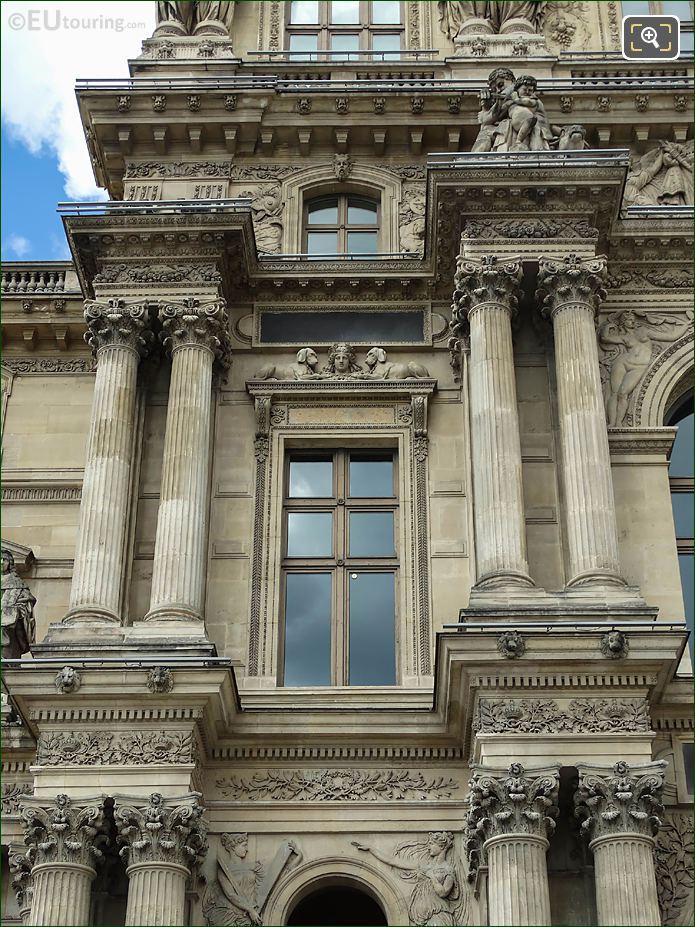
column 365, row 29
column 340, row 564
column 656, row 9
column 343, row 228
column 685, row 546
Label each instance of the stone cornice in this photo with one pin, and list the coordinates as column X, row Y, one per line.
column 312, row 390
column 656, row 441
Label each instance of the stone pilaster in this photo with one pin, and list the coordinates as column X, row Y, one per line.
column 570, row 291
column 22, row 884
column 119, row 336
column 510, row 817
column 61, row 837
column 161, row 841
column 486, row 296
column 620, row 810
column 196, row 334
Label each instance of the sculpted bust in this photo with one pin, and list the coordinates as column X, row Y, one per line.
column 18, row 624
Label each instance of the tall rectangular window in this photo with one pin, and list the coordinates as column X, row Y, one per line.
column 340, row 568
column 344, row 27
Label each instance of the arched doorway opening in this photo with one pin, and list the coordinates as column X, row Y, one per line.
column 337, row 906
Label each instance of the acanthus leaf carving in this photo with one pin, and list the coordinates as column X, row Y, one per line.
column 569, row 282
column 493, row 229
column 158, row 273
column 163, row 830
column 337, row 785
column 622, row 802
column 117, row 322
column 580, row 716
column 62, row 831
column 197, row 322
column 178, row 169
column 95, row 748
column 12, row 794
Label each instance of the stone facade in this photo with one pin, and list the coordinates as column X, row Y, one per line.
column 513, row 348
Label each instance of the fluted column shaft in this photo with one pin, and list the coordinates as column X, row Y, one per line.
column 156, row 894
column 196, row 336
column 486, row 293
column 119, row 337
column 518, row 892
column 621, row 810
column 61, row 895
column 625, row 880
column 571, row 291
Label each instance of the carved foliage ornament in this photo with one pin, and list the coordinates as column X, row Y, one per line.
column 197, row 322
column 674, row 867
column 161, row 831
column 544, row 716
column 492, row 229
column 12, row 794
column 570, row 282
column 513, row 804
column 20, row 867
column 96, row 748
column 117, row 323
column 622, row 802
column 337, row 785
column 158, row 273
column 62, row 831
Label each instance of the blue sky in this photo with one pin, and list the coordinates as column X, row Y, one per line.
column 46, row 47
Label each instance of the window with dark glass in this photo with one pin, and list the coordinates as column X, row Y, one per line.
column 341, row 223
column 682, row 480
column 340, row 569
column 343, row 27
column 683, row 9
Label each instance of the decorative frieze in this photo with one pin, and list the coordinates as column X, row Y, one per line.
column 158, row 274
column 175, row 169
column 494, row 229
column 41, row 493
column 578, row 716
column 43, row 365
column 12, row 794
column 337, row 785
column 97, row 748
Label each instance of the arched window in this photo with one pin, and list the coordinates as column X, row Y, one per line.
column 341, row 223
column 681, row 478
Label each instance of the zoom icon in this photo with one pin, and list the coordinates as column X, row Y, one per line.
column 651, row 38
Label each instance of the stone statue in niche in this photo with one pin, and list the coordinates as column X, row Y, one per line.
column 18, row 624
column 627, row 339
column 478, row 17
column 412, row 220
column 267, row 208
column 342, row 364
column 662, row 176
column 512, row 118
column 241, row 888
column 304, row 369
column 379, row 368
column 194, row 17
column 439, row 896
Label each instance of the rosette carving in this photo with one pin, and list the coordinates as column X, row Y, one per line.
column 625, row 802
column 571, row 281
column 196, row 322
column 161, row 830
column 64, row 831
column 116, row 322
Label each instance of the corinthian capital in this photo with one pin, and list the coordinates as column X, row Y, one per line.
column 192, row 322
column 116, row 322
column 509, row 804
column 571, row 281
column 161, row 830
column 487, row 281
column 62, row 831
column 628, row 801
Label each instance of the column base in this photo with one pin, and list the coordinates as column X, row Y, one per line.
column 165, row 614
column 475, row 26
column 517, row 27
column 91, row 615
column 597, row 578
column 505, row 579
column 211, row 27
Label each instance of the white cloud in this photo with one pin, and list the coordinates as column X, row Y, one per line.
column 46, row 47
column 16, row 246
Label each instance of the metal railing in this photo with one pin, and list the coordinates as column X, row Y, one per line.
column 355, row 256
column 118, row 207
column 603, row 157
column 356, row 55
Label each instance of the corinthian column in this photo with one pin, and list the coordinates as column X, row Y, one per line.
column 620, row 813
column 510, row 816
column 486, row 295
column 119, row 336
column 161, row 840
column 570, row 291
column 196, row 334
column 61, row 839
